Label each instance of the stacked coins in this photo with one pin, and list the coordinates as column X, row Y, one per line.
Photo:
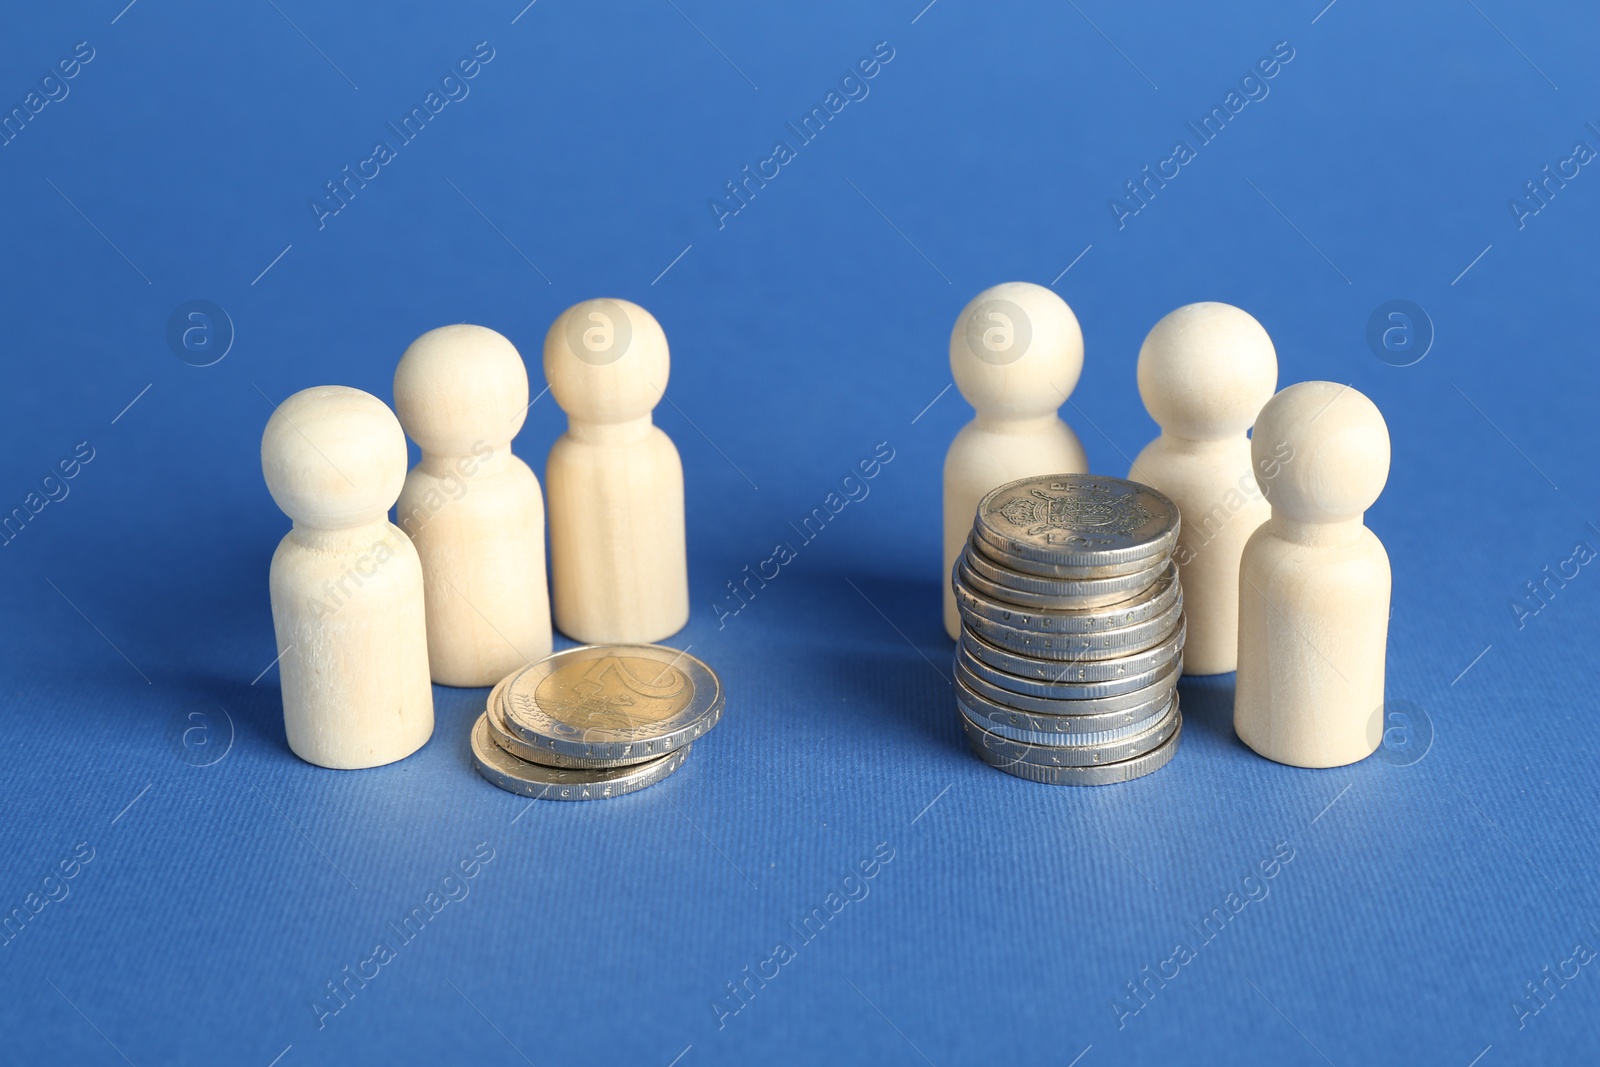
column 596, row 721
column 1072, row 630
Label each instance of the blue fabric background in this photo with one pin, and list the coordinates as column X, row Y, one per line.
column 221, row 900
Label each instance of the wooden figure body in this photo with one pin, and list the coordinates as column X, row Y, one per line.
column 473, row 510
column 1205, row 370
column 1314, row 584
column 1016, row 352
column 619, row 563
column 346, row 584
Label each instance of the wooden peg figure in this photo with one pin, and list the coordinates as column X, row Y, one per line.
column 618, row 561
column 1314, row 582
column 473, row 510
column 1205, row 370
column 1016, row 352
column 346, row 584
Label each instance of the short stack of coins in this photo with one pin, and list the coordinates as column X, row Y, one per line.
column 594, row 722
column 1072, row 630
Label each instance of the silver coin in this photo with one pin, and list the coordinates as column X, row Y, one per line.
column 564, row 783
column 1066, row 591
column 1076, row 648
column 1153, row 601
column 1060, row 729
column 506, row 738
column 1076, row 671
column 1077, row 520
column 1128, row 747
column 1035, row 601
column 1060, row 691
column 1067, row 571
column 1042, row 715
column 1104, row 774
column 613, row 703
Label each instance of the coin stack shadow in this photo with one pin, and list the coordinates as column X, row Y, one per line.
column 1072, row 630
column 595, row 721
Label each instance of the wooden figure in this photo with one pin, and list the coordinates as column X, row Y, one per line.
column 1016, row 352
column 1314, row 582
column 473, row 510
column 346, row 584
column 1205, row 370
column 618, row 561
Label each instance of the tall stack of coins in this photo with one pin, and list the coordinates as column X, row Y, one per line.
column 1072, row 630
column 596, row 721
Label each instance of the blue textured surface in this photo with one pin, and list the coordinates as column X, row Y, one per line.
column 221, row 900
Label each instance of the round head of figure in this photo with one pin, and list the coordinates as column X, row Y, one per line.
column 1016, row 351
column 333, row 457
column 459, row 386
column 1205, row 371
column 606, row 361
column 1321, row 452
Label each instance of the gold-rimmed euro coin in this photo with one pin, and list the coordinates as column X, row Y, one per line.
column 610, row 704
